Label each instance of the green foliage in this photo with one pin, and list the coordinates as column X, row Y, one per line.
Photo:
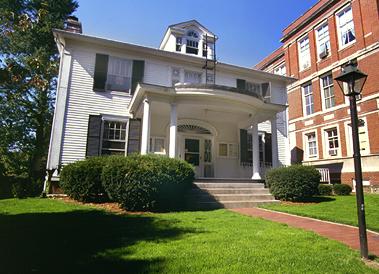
column 28, row 71
column 19, row 187
column 342, row 189
column 147, row 182
column 294, row 182
column 82, row 180
column 325, row 190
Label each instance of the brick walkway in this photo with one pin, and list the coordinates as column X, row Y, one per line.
column 343, row 233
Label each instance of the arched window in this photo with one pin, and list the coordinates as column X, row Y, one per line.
column 192, row 33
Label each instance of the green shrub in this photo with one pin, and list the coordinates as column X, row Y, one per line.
column 342, row 189
column 325, row 190
column 22, row 187
column 82, row 180
column 294, row 182
column 147, row 182
column 5, row 187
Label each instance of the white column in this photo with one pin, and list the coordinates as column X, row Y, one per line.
column 255, row 142
column 145, row 139
column 173, row 131
column 274, row 143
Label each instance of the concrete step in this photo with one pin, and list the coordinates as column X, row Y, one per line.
column 231, row 204
column 215, row 191
column 228, row 185
column 232, row 197
column 231, row 180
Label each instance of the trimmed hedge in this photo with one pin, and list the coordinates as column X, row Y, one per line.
column 325, row 190
column 82, row 180
column 294, row 182
column 342, row 189
column 19, row 187
column 147, row 182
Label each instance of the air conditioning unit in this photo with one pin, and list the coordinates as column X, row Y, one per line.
column 332, row 152
column 323, row 53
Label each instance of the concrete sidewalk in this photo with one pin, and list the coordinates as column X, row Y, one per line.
column 344, row 233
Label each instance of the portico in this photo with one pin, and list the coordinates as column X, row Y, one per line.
column 205, row 125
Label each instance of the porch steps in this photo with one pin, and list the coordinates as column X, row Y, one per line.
column 228, row 193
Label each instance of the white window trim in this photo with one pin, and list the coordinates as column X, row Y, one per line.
column 111, row 118
column 303, row 99
column 325, row 145
column 280, row 66
column 299, row 52
column 325, row 23
column 228, row 156
column 348, row 138
column 324, row 109
column 202, row 77
column 152, row 148
column 305, row 145
column 131, row 72
column 337, row 14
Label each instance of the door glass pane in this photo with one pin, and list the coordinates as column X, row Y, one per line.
column 192, row 154
column 192, row 145
column 192, row 158
column 207, row 151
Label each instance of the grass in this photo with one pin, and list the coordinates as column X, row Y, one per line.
column 50, row 236
column 341, row 209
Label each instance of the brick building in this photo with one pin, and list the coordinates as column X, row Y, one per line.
column 314, row 48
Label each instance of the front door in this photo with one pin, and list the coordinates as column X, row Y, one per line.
column 192, row 154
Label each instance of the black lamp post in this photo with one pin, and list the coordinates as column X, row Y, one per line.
column 351, row 82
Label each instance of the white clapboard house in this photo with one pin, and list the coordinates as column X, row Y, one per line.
column 176, row 100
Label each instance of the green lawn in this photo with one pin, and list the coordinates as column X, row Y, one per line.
column 341, row 209
column 49, row 236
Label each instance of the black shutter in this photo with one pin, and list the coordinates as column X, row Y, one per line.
column 266, row 91
column 241, row 84
column 134, row 136
column 94, row 135
column 243, row 146
column 101, row 70
column 268, row 148
column 137, row 74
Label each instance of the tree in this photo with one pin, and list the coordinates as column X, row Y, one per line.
column 28, row 73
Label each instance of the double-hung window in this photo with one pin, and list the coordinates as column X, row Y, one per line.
column 308, row 99
column 332, row 144
column 304, row 54
column 345, row 25
column 192, row 46
column 119, row 74
column 175, row 75
column 323, row 41
column 253, row 87
column 328, row 91
column 192, row 77
column 157, row 145
column 280, row 70
column 311, row 144
column 229, row 150
column 114, row 137
column 178, row 43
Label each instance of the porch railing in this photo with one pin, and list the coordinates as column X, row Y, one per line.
column 325, row 175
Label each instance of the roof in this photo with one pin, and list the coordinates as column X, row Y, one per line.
column 190, row 22
column 270, row 59
column 174, row 56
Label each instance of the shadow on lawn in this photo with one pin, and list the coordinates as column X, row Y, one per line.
column 316, row 199
column 69, row 242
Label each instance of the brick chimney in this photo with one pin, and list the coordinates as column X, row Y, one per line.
column 73, row 24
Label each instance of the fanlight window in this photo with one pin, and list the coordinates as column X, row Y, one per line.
column 193, row 34
column 193, row 129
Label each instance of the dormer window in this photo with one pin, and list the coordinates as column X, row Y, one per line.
column 193, row 34
column 178, row 43
column 192, row 47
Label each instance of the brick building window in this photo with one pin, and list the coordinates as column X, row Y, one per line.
column 304, row 54
column 332, row 143
column 345, row 23
column 308, row 99
column 280, row 70
column 323, row 41
column 328, row 91
column 311, row 144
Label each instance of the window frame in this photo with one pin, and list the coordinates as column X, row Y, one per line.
column 348, row 138
column 229, row 150
column 301, row 54
column 306, row 142
column 152, row 145
column 339, row 32
column 318, row 44
column 325, row 140
column 304, row 97
column 113, row 120
column 280, row 67
column 323, row 89
column 192, row 71
column 129, row 76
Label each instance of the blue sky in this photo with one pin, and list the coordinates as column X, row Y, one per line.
column 248, row 30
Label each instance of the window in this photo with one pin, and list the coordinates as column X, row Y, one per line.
column 175, row 76
column 363, row 138
column 323, row 41
column 304, row 54
column 114, row 134
column 249, row 148
column 308, row 99
column 157, row 145
column 119, row 74
column 178, row 43
column 192, row 77
column 345, row 24
column 328, row 91
column 192, row 46
column 280, row 70
column 229, row 150
column 253, row 87
column 311, row 144
column 332, row 144
column 193, row 34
